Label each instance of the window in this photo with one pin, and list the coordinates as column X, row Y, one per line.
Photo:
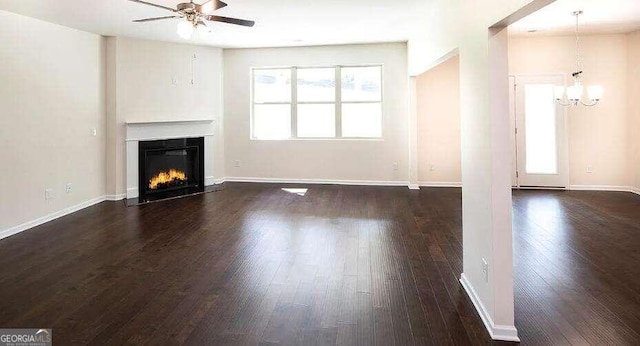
column 361, row 102
column 317, row 102
column 272, row 104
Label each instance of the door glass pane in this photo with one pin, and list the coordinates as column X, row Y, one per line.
column 272, row 121
column 316, row 120
column 363, row 120
column 540, row 124
column 272, row 85
column 316, row 84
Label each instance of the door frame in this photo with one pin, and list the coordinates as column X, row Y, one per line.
column 562, row 126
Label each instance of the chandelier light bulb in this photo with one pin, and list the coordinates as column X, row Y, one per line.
column 595, row 92
column 185, row 30
column 574, row 92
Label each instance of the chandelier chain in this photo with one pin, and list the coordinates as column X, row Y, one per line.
column 578, row 57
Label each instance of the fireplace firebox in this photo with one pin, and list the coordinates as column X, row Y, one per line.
column 170, row 168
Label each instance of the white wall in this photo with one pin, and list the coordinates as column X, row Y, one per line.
column 438, row 104
column 141, row 87
column 633, row 92
column 597, row 135
column 51, row 96
column 362, row 160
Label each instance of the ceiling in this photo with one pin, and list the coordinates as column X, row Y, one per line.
column 310, row 22
column 278, row 22
column 600, row 16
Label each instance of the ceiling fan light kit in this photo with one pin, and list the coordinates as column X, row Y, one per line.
column 193, row 16
column 575, row 92
column 185, row 30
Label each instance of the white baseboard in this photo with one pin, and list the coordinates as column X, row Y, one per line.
column 210, row 180
column 315, row 181
column 115, row 197
column 132, row 192
column 539, row 188
column 605, row 188
column 497, row 332
column 39, row 221
column 414, row 187
column 440, row 184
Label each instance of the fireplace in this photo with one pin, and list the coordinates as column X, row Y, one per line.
column 170, row 168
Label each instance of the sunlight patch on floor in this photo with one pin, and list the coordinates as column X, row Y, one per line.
column 299, row 192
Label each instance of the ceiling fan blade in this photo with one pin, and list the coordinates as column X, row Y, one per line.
column 235, row 21
column 155, row 5
column 211, row 6
column 152, row 19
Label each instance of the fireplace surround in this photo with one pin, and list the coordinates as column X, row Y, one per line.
column 170, row 168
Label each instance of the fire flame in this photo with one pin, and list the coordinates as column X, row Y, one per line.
column 167, row 177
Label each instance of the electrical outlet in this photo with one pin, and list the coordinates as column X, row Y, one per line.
column 94, row 132
column 237, row 163
column 68, row 188
column 589, row 169
column 432, row 168
column 485, row 270
column 174, row 80
column 395, row 166
column 48, row 194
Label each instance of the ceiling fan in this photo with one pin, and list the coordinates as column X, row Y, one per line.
column 195, row 16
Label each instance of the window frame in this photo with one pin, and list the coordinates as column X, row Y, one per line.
column 294, row 103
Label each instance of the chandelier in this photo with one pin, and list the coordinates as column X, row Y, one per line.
column 574, row 93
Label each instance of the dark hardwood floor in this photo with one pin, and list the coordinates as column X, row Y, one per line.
column 577, row 267
column 254, row 264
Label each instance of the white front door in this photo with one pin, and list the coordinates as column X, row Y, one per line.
column 540, row 133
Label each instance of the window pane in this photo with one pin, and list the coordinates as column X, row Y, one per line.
column 272, row 85
column 317, row 120
column 362, row 120
column 362, row 83
column 316, row 84
column 540, row 125
column 272, row 121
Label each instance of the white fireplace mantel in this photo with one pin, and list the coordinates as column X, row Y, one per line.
column 168, row 121
column 168, row 129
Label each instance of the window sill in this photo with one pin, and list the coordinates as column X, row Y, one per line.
column 380, row 139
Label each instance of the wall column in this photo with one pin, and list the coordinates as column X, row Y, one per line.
column 486, row 181
column 413, row 134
